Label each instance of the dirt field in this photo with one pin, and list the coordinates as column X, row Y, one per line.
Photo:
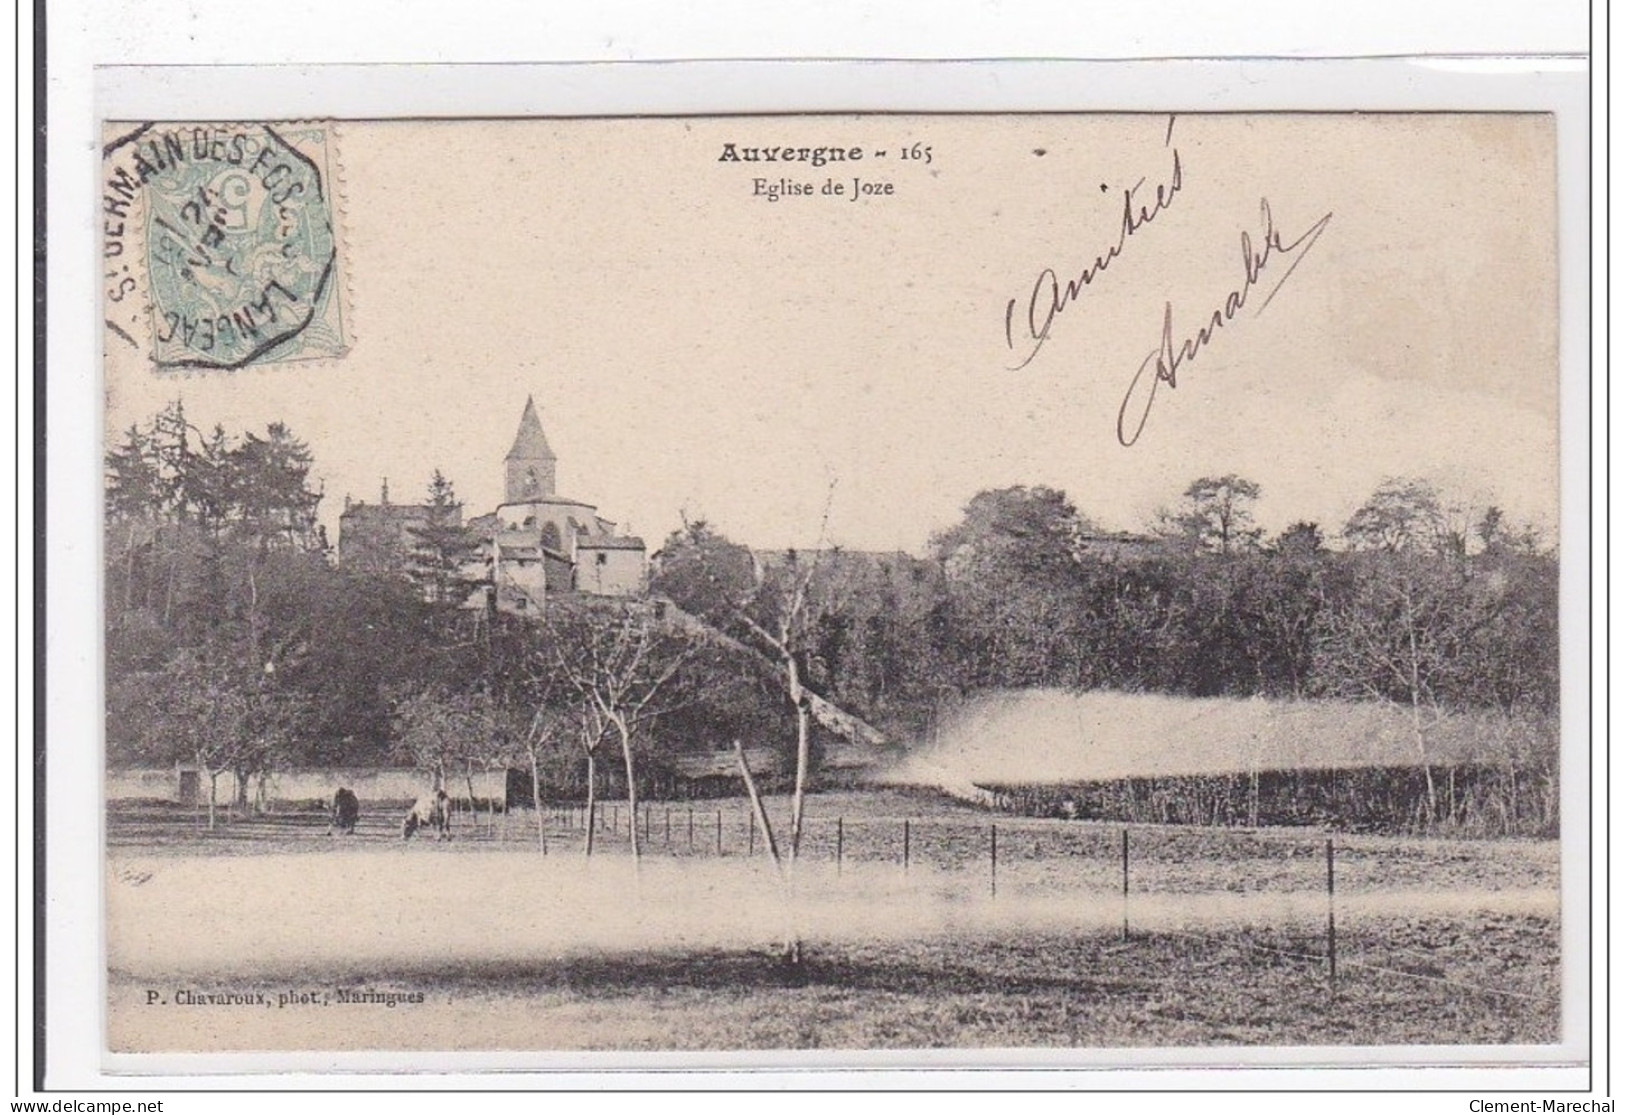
column 483, row 943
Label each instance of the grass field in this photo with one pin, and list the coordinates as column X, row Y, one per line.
column 1439, row 942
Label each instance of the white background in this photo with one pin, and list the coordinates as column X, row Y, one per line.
column 85, row 34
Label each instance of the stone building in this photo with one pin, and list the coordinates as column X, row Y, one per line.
column 379, row 537
column 541, row 543
column 536, row 543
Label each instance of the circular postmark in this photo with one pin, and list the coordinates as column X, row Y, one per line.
column 240, row 247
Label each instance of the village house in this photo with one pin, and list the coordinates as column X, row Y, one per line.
column 379, row 537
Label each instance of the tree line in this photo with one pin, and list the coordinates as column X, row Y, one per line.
column 1421, row 604
column 236, row 642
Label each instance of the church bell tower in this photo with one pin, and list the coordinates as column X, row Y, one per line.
column 530, row 464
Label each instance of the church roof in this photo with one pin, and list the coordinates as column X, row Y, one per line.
column 530, row 443
column 550, row 501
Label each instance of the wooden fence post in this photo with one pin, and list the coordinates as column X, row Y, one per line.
column 719, row 832
column 840, row 842
column 1331, row 918
column 691, row 826
column 1125, row 884
column 905, row 845
column 993, row 860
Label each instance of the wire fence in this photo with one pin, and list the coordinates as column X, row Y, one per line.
column 1008, row 857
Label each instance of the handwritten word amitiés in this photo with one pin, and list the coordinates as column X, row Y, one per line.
column 1049, row 296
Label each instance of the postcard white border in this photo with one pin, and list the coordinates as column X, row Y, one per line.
column 76, row 973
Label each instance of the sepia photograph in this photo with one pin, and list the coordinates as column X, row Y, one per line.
column 856, row 583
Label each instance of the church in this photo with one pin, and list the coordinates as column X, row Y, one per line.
column 542, row 543
column 536, row 544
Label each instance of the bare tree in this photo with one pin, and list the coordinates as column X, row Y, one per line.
column 590, row 729
column 782, row 601
column 196, row 708
column 436, row 730
column 622, row 661
column 272, row 718
column 546, row 729
column 1401, row 633
column 768, row 611
column 787, row 638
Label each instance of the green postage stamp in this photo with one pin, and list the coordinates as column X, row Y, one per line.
column 220, row 246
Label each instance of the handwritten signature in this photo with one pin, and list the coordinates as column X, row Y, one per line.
column 1163, row 362
column 1049, row 296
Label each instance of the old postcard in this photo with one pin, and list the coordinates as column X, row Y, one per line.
column 1007, row 582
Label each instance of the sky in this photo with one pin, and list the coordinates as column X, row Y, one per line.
column 697, row 350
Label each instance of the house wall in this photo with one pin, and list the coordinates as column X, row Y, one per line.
column 617, row 572
column 521, row 586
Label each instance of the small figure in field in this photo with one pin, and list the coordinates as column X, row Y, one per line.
column 429, row 812
column 346, row 811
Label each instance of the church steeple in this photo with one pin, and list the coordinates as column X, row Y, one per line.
column 530, row 463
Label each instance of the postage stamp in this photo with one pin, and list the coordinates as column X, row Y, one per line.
column 220, row 245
